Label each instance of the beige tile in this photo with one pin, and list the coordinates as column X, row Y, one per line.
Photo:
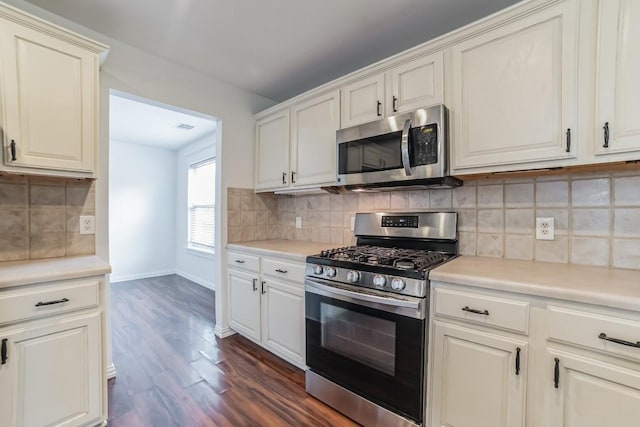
column 248, row 218
column 350, row 202
column 47, row 195
column 82, row 196
column 80, row 244
column 336, row 236
column 627, row 222
column 440, row 199
column 552, row 194
column 467, row 243
column 399, row 200
column 519, row 195
column 261, row 233
column 234, row 219
column 626, row 253
column 323, row 202
column 233, row 199
column 590, row 222
column 589, row 251
column 259, row 202
column 346, row 219
column 626, row 191
column 14, row 247
column 299, row 234
column 261, row 218
column 284, row 203
column 234, row 234
column 48, row 220
column 560, row 219
column 48, row 245
column 248, row 233
column 490, row 196
column 323, row 219
column 552, row 250
column 246, row 202
column 518, row 247
column 13, row 194
column 14, row 221
column 321, row 234
column 337, row 220
column 490, row 221
column 348, row 238
column 467, row 220
column 464, row 197
column 519, row 221
column 419, row 199
column 381, row 201
column 365, row 202
column 336, row 202
column 13, row 179
column 590, row 192
column 490, row 245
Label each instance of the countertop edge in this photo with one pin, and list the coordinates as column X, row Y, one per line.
column 295, row 250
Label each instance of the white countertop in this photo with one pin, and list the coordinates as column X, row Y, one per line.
column 16, row 273
column 592, row 285
column 296, row 250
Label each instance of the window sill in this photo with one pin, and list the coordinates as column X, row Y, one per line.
column 203, row 253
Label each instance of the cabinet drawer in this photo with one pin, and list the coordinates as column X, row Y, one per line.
column 483, row 309
column 243, row 261
column 47, row 299
column 289, row 270
column 584, row 328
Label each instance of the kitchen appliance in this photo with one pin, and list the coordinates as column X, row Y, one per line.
column 366, row 316
column 408, row 150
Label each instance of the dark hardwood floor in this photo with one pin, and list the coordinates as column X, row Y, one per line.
column 173, row 371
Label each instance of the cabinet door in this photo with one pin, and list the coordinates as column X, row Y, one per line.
column 591, row 393
column 50, row 101
column 53, row 375
column 244, row 303
column 416, row 84
column 475, row 383
column 618, row 86
column 313, row 140
column 272, row 151
column 515, row 92
column 362, row 101
column 283, row 320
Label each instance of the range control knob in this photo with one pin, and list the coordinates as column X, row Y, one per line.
column 330, row 272
column 353, row 276
column 317, row 269
column 397, row 284
column 379, row 281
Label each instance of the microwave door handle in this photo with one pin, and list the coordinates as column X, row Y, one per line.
column 405, row 147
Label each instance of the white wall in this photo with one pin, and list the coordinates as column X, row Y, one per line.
column 194, row 265
column 142, row 215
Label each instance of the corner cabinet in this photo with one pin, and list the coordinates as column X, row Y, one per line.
column 296, row 147
column 515, row 93
column 49, row 98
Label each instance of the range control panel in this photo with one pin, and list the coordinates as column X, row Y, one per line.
column 400, row 221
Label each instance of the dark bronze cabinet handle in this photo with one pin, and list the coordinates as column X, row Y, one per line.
column 517, row 360
column 293, row 177
column 255, row 285
column 279, row 270
column 59, row 301
column 13, row 150
column 606, row 135
column 473, row 310
column 262, row 285
column 284, row 177
column 3, row 355
column 556, row 373
column 395, row 104
column 378, row 108
column 568, row 150
column 604, row 336
column 240, row 261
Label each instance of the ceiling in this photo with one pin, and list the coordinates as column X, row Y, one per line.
column 274, row 48
column 138, row 122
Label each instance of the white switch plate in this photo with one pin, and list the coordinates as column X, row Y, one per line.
column 298, row 222
column 353, row 222
column 87, row 224
column 545, row 228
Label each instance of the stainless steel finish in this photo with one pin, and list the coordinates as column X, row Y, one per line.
column 415, row 308
column 317, row 270
column 405, row 147
column 379, row 281
column 353, row 276
column 330, row 272
column 424, row 116
column 355, row 407
column 431, row 225
column 413, row 287
column 397, row 284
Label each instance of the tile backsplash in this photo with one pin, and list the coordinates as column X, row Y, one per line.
column 597, row 216
column 39, row 217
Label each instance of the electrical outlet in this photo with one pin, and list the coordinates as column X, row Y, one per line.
column 353, row 222
column 87, row 224
column 544, row 228
column 298, row 222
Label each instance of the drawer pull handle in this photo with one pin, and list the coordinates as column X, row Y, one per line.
column 568, row 150
column 13, row 150
column 240, row 261
column 59, row 301
column 279, row 270
column 606, row 135
column 556, row 373
column 255, row 285
column 517, row 360
column 4, row 351
column 473, row 310
column 263, row 289
column 604, row 336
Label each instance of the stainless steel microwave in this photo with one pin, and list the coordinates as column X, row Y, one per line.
column 406, row 150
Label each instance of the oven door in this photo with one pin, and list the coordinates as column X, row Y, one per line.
column 371, row 344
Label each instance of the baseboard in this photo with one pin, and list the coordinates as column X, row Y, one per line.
column 206, row 283
column 223, row 333
column 127, row 277
column 111, row 371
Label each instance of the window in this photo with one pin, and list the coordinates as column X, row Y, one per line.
column 202, row 196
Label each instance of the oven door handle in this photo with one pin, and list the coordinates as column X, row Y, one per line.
column 415, row 309
column 405, row 147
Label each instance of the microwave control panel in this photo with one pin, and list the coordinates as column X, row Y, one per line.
column 400, row 221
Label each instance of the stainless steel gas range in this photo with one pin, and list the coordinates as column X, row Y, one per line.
column 366, row 310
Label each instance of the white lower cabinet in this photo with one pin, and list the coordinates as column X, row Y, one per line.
column 266, row 303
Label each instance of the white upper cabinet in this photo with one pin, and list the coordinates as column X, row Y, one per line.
column 272, row 151
column 515, row 92
column 411, row 85
column 49, row 99
column 617, row 82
